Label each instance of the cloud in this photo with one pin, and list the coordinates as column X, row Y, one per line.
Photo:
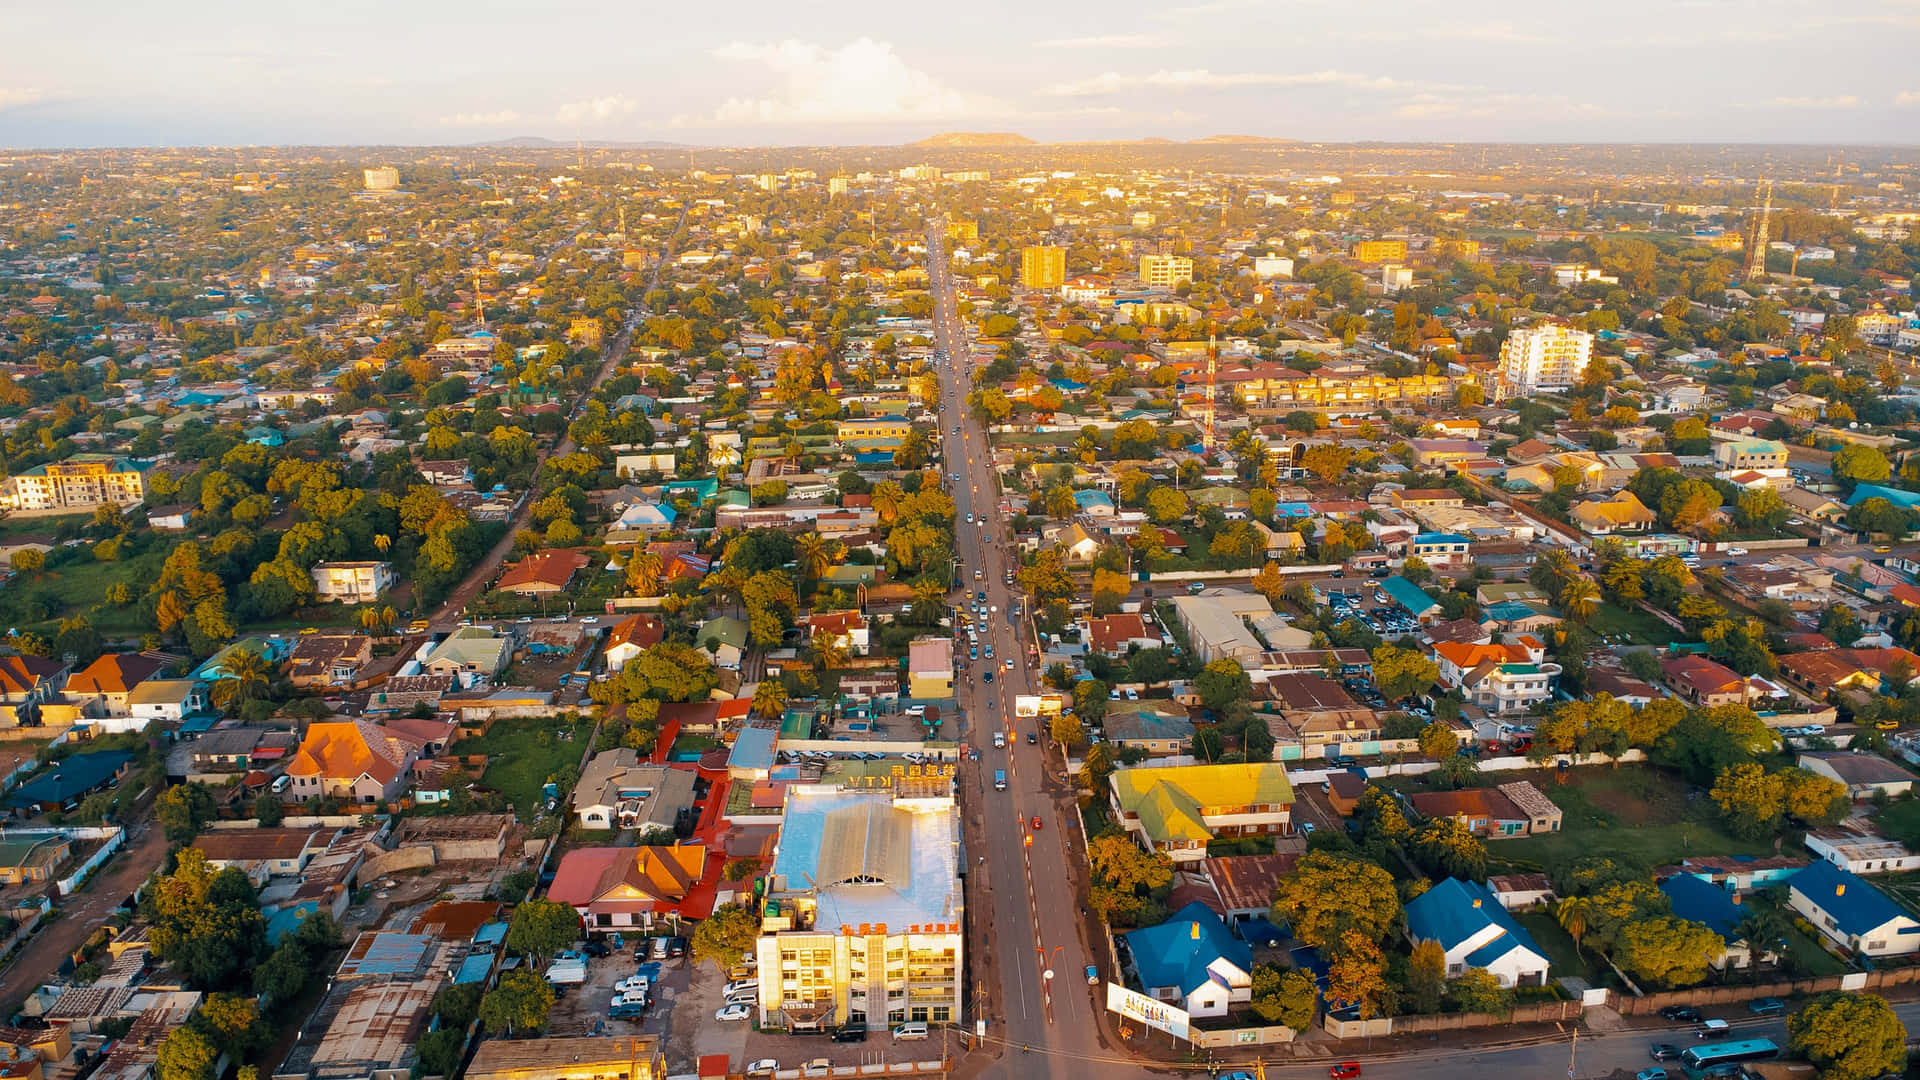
column 1106, row 41
column 1205, row 8
column 1907, row 97
column 862, row 80
column 597, row 110
column 481, row 119
column 1112, row 82
column 1479, row 104
column 1843, row 101
column 16, row 96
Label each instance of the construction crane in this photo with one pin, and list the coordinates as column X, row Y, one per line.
column 1757, row 254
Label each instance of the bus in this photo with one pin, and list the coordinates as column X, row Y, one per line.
column 1697, row 1058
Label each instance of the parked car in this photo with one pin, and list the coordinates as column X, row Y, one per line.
column 1665, row 1052
column 735, row 1011
column 909, row 1031
column 1766, row 1006
column 1681, row 1014
column 1655, row 1073
column 817, row 1067
column 596, row 950
column 738, row 985
column 850, row 1033
column 1345, row 1070
column 1093, row 975
column 763, row 1067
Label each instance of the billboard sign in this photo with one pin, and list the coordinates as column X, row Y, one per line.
column 1157, row 1015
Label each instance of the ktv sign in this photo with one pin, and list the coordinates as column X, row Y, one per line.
column 1155, row 1014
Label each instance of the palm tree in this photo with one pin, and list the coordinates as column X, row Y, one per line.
column 769, row 698
column 1578, row 597
column 249, row 678
column 814, row 553
column 1572, row 913
column 887, row 498
column 643, row 573
column 928, row 597
column 830, row 651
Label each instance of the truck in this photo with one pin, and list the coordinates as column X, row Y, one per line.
column 569, row 972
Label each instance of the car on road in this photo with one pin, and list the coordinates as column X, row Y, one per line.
column 1032, row 738
column 1093, row 975
column 1736, row 551
column 1681, row 1014
column 735, row 1011
column 1766, row 1006
column 1712, row 1029
column 1655, row 1073
column 1009, row 664
column 999, row 740
column 1665, row 1052
column 989, row 676
column 1813, row 729
column 1345, row 1070
column 1035, row 823
column 1342, row 761
column 1237, row 1074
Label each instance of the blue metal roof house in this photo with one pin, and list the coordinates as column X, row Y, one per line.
column 1193, row 961
column 69, row 781
column 1409, row 596
column 1476, row 932
column 1851, row 912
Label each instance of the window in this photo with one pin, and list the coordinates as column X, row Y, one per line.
column 919, row 1013
column 942, row 1014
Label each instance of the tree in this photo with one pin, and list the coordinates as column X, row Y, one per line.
column 1668, row 951
column 187, row 1054
column 1328, row 896
column 1090, row 700
column 769, row 698
column 1358, row 975
column 1287, row 998
column 206, row 924
column 1167, row 505
column 1479, row 991
column 1848, row 1035
column 540, row 928
column 1066, row 730
column 183, row 811
column 1853, row 465
column 234, row 1025
column 268, row 810
column 1327, row 461
column 1812, row 799
column 1222, row 682
column 740, row 869
column 1426, row 982
column 1572, row 913
column 1750, row 800
column 1446, row 847
column 1438, row 741
column 726, row 936
column 1403, row 673
column 519, row 1002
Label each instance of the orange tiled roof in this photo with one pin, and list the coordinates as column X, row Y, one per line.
column 347, row 750
column 21, row 674
column 113, row 673
column 662, row 873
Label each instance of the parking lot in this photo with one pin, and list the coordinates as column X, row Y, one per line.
column 584, row 1008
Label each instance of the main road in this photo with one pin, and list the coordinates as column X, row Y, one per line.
column 1048, row 1027
column 1034, row 907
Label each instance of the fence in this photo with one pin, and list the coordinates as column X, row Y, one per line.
column 1544, row 1012
column 116, row 839
column 1227, row 1038
column 1722, row 995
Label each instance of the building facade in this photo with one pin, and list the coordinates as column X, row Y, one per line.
column 1545, row 357
column 1043, row 267
column 351, row 582
column 1165, row 271
column 79, row 483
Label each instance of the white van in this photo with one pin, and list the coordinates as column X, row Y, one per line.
column 915, row 1030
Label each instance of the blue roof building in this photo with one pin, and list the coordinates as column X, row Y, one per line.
column 1409, row 596
column 1851, row 912
column 1193, row 961
column 1091, row 500
column 68, row 781
column 1476, row 932
column 1905, row 500
column 1705, row 903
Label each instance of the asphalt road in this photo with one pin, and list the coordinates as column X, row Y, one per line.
column 1035, row 911
column 448, row 613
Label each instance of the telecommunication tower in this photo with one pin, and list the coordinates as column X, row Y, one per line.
column 1207, row 410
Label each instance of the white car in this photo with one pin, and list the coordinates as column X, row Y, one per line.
column 738, row 985
column 632, row 984
column 732, row 1012
column 1813, row 729
column 1736, row 551
column 763, row 1067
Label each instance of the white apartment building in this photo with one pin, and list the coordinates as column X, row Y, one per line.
column 81, row 482
column 351, row 582
column 1272, row 266
column 382, row 178
column 1165, row 271
column 1542, row 358
column 863, row 920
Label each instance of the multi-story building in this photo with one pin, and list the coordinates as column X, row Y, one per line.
column 1380, row 251
column 1165, row 271
column 81, row 482
column 1286, row 389
column 1179, row 809
column 1502, row 678
column 1542, row 358
column 862, row 919
column 382, row 178
column 1043, row 267
column 351, row 582
column 570, row 1057
column 1750, row 454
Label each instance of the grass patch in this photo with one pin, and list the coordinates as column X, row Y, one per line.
column 80, row 588
column 695, row 744
column 1564, row 958
column 1811, row 958
column 523, row 754
column 1640, row 815
column 1643, row 628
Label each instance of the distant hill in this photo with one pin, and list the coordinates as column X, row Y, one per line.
column 538, row 142
column 1239, row 140
column 973, row 138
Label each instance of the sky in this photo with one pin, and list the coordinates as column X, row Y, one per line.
column 850, row 72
